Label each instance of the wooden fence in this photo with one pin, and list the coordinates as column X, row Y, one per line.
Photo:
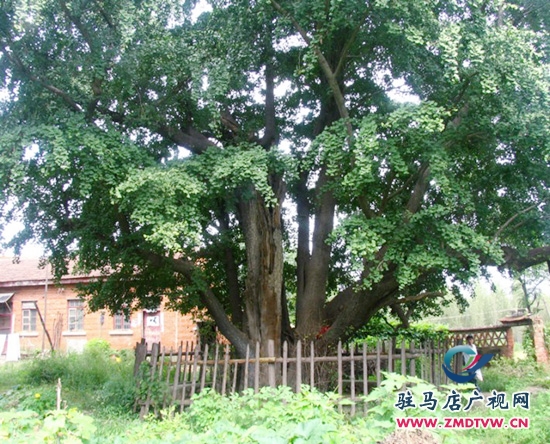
column 172, row 377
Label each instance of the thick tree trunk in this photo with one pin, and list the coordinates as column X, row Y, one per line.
column 353, row 309
column 309, row 306
column 313, row 268
column 264, row 281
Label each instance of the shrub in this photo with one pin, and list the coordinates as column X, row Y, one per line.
column 98, row 347
column 118, row 393
column 89, row 370
column 46, row 370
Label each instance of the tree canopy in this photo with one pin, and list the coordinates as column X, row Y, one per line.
column 294, row 167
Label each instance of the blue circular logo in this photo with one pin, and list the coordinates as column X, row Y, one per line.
column 473, row 363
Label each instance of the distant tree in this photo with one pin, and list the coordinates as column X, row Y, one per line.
column 529, row 284
column 254, row 156
column 487, row 303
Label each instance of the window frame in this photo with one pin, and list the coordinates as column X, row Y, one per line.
column 121, row 321
column 29, row 315
column 75, row 315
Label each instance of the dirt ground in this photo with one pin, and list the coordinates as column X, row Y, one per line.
column 414, row 436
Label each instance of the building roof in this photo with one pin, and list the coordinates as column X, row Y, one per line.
column 27, row 272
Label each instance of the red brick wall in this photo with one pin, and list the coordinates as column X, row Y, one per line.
column 174, row 327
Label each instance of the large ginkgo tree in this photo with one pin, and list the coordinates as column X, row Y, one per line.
column 293, row 167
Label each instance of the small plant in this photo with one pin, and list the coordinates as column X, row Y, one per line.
column 61, row 426
column 39, row 401
column 150, row 388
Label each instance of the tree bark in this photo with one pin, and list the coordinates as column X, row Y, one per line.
column 309, row 307
column 261, row 225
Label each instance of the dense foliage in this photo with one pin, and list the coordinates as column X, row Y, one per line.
column 253, row 159
column 380, row 329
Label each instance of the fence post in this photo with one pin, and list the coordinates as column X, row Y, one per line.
column 403, row 359
column 203, row 369
column 184, row 384
column 271, row 365
column 298, row 366
column 166, row 395
column 390, row 356
column 140, row 354
column 215, row 373
column 412, row 362
column 432, row 362
column 154, row 357
column 312, row 364
column 352, row 378
column 378, row 345
column 365, row 376
column 194, row 372
column 246, row 364
column 340, row 383
column 285, row 358
column 257, row 369
column 177, row 374
column 225, row 365
column 235, row 371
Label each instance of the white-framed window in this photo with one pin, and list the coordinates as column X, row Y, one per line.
column 28, row 309
column 76, row 314
column 121, row 321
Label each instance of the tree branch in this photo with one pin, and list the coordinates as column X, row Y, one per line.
column 215, row 308
column 325, row 66
column 27, row 72
column 347, row 46
column 193, row 140
column 515, row 261
column 104, row 14
column 398, row 311
column 509, row 221
column 417, row 195
column 419, row 297
column 78, row 24
column 270, row 134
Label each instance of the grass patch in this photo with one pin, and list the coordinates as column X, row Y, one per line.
column 514, row 375
column 97, row 379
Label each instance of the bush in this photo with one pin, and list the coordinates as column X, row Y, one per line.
column 98, row 347
column 47, row 370
column 88, row 370
column 93, row 379
column 505, row 374
column 380, row 330
column 118, row 393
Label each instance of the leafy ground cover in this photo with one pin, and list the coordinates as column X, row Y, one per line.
column 98, row 393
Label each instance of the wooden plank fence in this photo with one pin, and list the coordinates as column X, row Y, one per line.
column 172, row 377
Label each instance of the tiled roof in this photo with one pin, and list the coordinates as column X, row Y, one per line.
column 27, row 272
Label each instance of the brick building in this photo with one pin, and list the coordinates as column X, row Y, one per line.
column 27, row 292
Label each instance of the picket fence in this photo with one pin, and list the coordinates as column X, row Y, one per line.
column 172, row 377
